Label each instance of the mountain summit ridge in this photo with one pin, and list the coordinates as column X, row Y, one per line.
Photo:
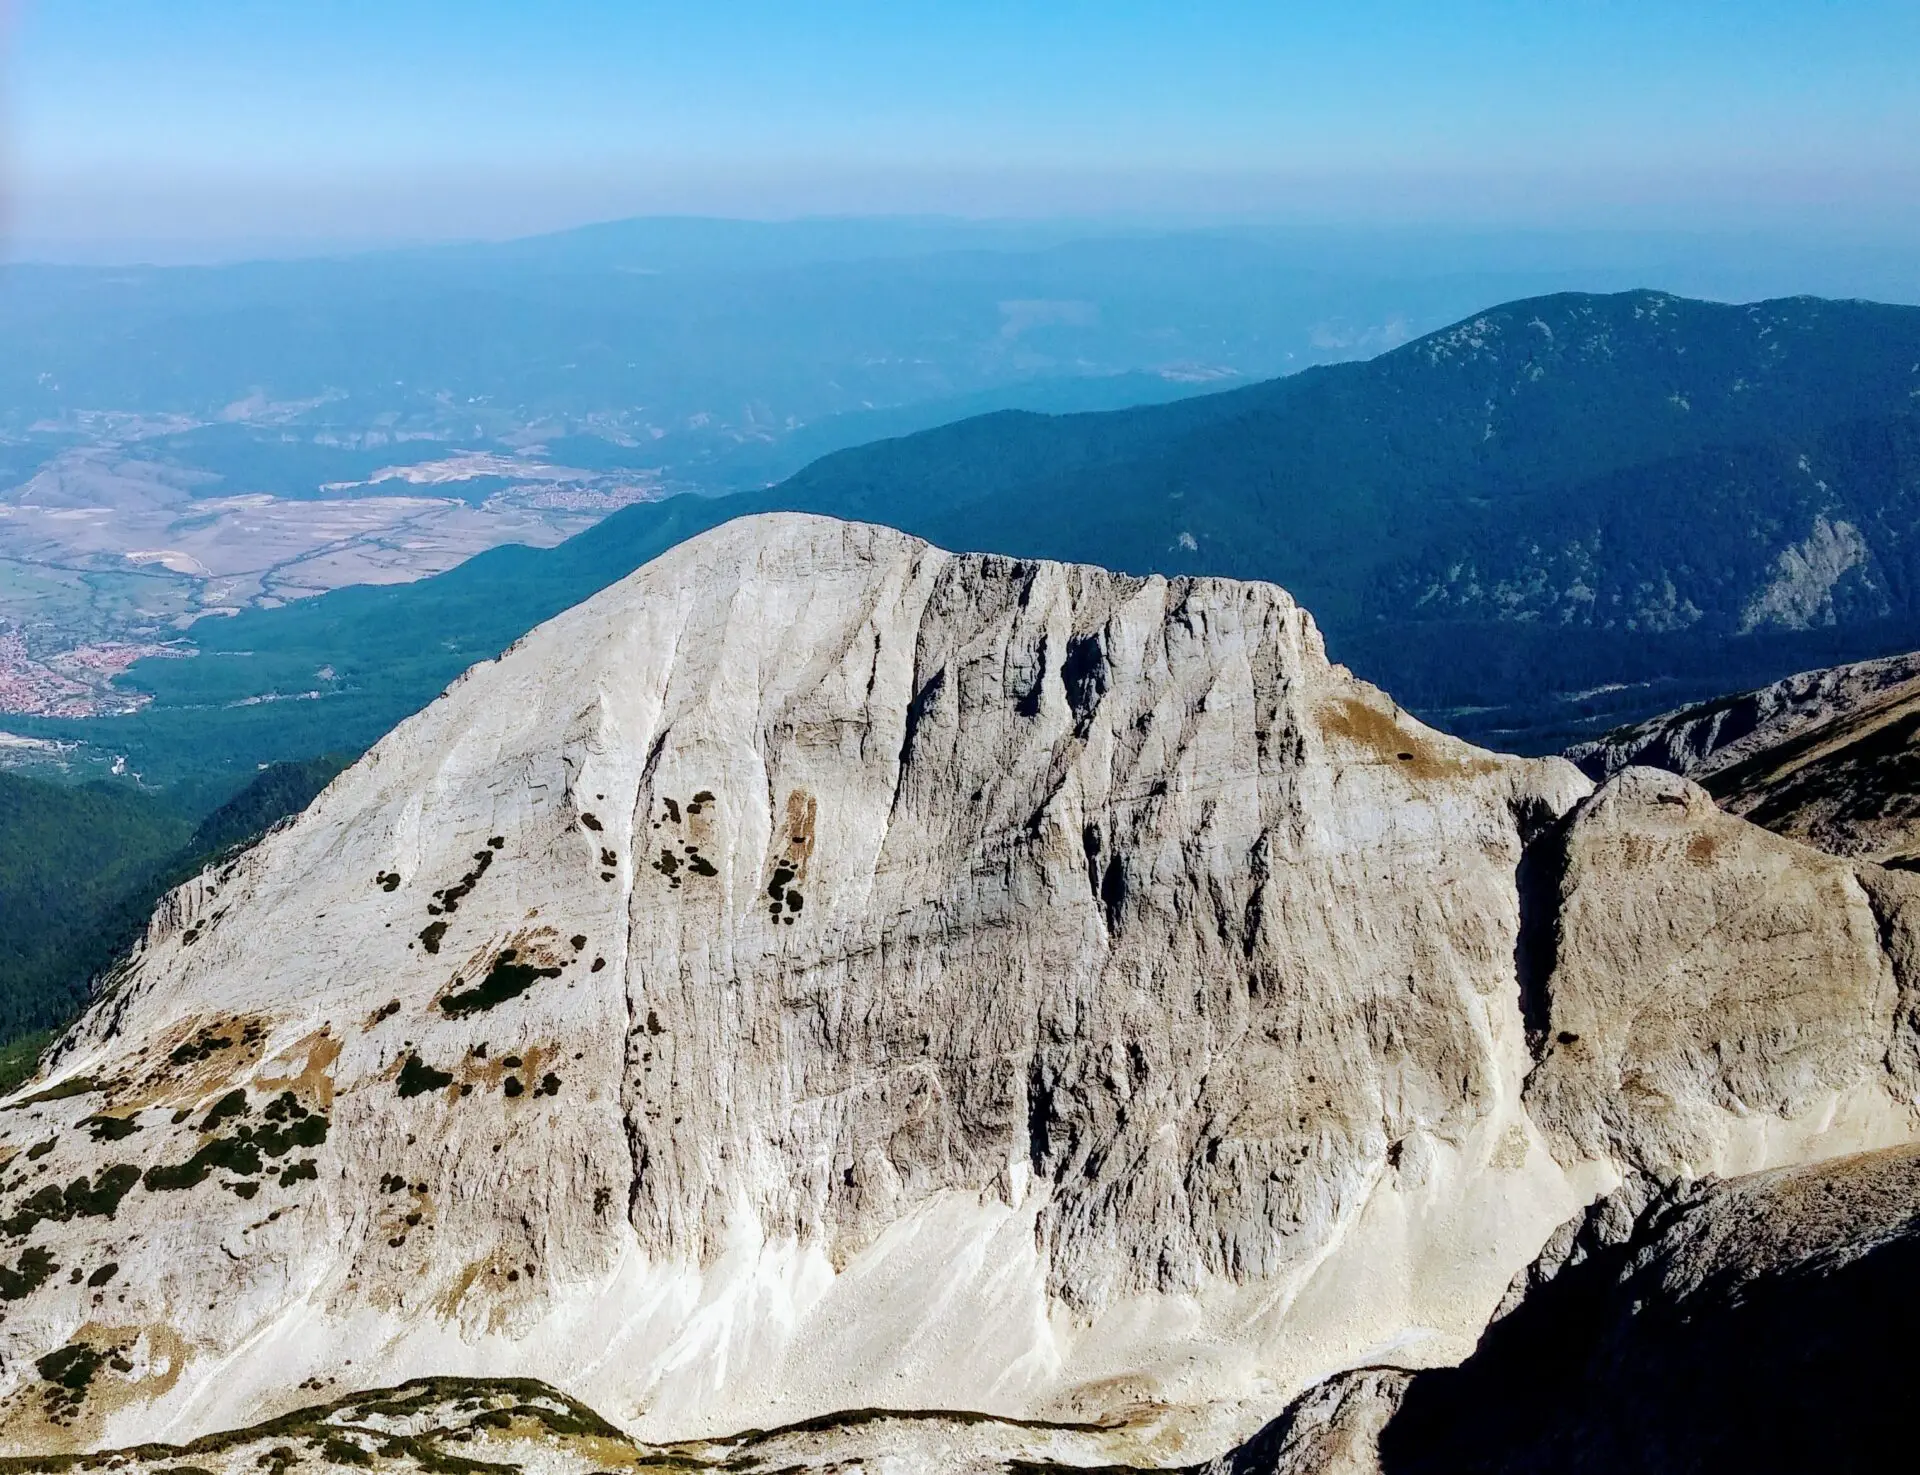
column 823, row 973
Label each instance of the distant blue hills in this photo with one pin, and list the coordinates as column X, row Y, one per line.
column 1556, row 514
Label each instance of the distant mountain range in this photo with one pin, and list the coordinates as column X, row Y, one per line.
column 183, row 441
column 690, row 350
column 1556, row 515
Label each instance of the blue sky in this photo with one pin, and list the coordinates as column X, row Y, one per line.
column 417, row 118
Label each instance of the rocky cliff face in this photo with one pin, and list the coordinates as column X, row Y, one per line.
column 822, row 973
column 1702, row 993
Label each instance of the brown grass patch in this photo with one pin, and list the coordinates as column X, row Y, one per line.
column 188, row 1062
column 305, row 1068
column 24, row 1420
column 1381, row 738
column 797, row 836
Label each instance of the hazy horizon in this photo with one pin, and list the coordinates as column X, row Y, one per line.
column 215, row 129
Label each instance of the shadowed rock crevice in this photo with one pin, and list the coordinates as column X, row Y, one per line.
column 1536, row 952
column 1091, row 845
column 1084, row 673
column 1113, row 891
column 918, row 710
column 1027, row 702
column 1039, row 1119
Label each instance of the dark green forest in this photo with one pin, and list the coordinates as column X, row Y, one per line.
column 81, row 867
column 71, row 861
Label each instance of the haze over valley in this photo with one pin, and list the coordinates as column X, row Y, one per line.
column 378, row 418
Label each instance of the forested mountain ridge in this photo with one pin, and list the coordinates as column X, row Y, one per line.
column 81, row 867
column 1493, row 415
column 77, row 865
column 1558, row 514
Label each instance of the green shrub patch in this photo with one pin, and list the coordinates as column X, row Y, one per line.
column 508, row 978
column 417, row 1077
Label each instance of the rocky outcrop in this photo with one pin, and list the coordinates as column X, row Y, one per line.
column 1828, row 757
column 1709, row 737
column 1695, row 986
column 822, row 973
column 1334, row 1428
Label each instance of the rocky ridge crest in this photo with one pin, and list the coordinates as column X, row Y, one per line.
column 1829, row 757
